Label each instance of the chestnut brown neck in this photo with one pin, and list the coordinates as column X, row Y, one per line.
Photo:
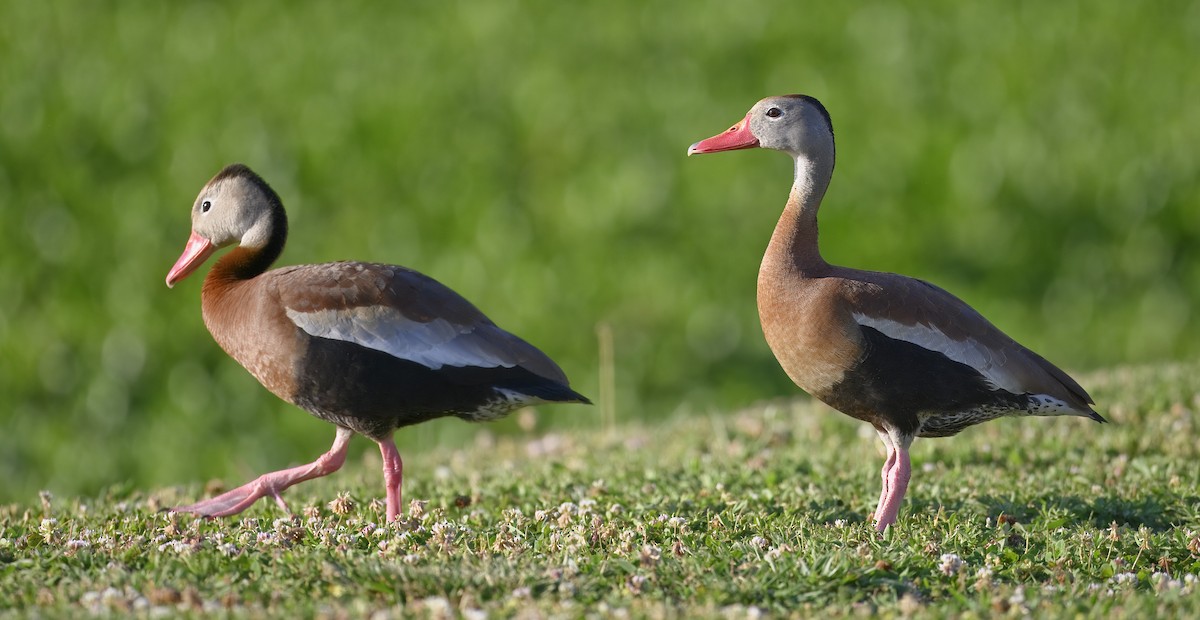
column 794, row 245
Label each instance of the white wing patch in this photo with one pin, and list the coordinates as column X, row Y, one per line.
column 433, row 345
column 988, row 362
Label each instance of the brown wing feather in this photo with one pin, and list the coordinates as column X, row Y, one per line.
column 345, row 286
column 911, row 302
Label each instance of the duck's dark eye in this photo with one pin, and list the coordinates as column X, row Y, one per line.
column 774, row 112
column 205, row 206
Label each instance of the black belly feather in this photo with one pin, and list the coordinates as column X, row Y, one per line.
column 373, row 393
column 918, row 391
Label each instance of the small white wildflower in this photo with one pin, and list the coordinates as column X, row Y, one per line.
column 839, row 523
column 342, row 504
column 951, row 564
column 650, row 555
column 984, row 573
column 1124, row 578
column 1018, row 597
column 775, row 552
column 91, row 600
column 438, row 606
column 760, row 542
column 178, row 546
column 539, row 516
column 636, row 583
column 522, row 592
column 443, row 533
column 615, row 509
column 909, row 604
column 78, row 544
column 678, row 523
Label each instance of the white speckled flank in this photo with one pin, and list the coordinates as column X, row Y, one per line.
column 1041, row 404
column 506, row 402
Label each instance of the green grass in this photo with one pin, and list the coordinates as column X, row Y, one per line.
column 705, row 514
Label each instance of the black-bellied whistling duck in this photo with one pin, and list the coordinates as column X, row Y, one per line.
column 899, row 353
column 368, row 347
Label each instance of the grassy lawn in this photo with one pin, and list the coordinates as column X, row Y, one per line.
column 703, row 514
column 1037, row 159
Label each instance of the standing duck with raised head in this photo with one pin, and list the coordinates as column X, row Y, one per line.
column 898, row 353
column 368, row 347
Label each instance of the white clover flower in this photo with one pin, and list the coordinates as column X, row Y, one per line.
column 650, row 555
column 951, row 564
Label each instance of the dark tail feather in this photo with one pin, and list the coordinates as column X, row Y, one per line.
column 550, row 391
column 1097, row 417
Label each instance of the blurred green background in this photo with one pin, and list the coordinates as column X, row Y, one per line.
column 1038, row 159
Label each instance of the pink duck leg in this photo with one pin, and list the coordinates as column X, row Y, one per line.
column 393, row 476
column 896, row 472
column 272, row 484
column 887, row 468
